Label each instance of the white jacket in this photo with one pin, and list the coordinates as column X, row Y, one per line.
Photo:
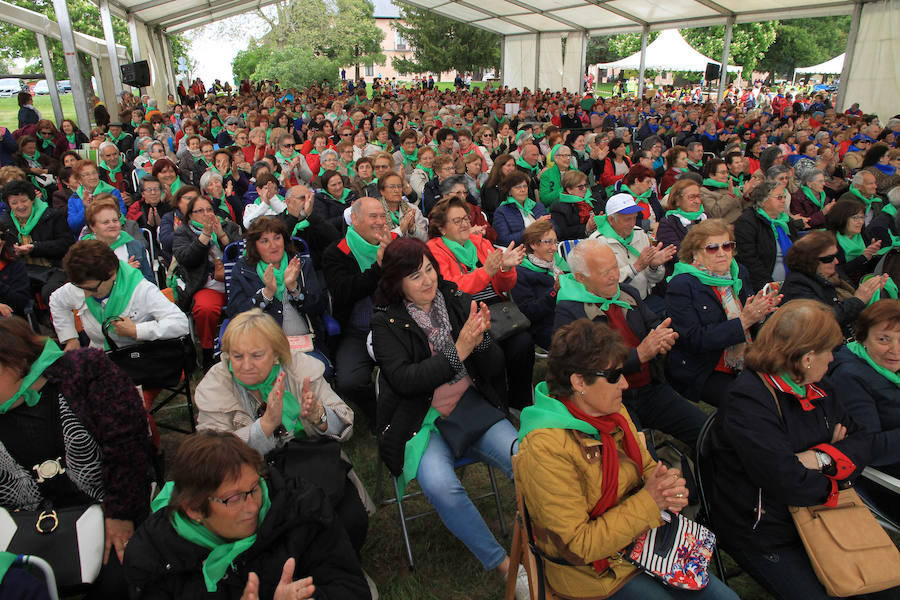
column 254, row 210
column 644, row 280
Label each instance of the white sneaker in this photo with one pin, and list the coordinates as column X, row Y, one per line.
column 523, row 592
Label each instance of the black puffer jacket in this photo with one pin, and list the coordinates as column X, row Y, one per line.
column 410, row 372
column 160, row 564
column 800, row 285
column 195, row 260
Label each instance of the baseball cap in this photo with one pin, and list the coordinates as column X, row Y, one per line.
column 621, row 204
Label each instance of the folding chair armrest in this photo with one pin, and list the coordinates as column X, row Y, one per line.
column 889, row 482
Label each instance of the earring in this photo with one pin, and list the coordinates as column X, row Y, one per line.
column 808, row 366
column 581, row 392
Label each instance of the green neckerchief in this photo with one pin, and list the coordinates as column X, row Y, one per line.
column 573, row 199
column 737, row 181
column 852, row 247
column 342, row 199
column 382, row 145
column 365, row 253
column 116, row 169
column 102, row 188
column 123, row 239
column 466, row 253
column 895, row 243
column 32, row 157
column 697, row 165
column 45, row 144
column 889, row 287
column 549, row 413
column 645, row 196
column 606, row 230
column 223, row 553
column 820, row 201
column 682, row 169
column 867, row 201
column 415, row 448
column 212, row 235
column 290, row 408
column 49, row 355
column 709, row 182
column 37, row 210
column 223, row 204
column 261, row 267
column 427, row 171
column 284, row 159
column 781, row 221
column 70, row 137
column 127, row 279
column 410, row 159
column 527, row 209
column 348, row 166
column 176, row 185
column 533, row 170
column 859, row 350
column 573, row 290
column 300, row 226
column 889, row 209
column 690, row 216
column 118, row 138
column 215, row 131
column 708, row 279
column 799, row 390
column 560, row 262
column 498, row 121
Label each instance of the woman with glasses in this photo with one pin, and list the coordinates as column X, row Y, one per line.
column 858, row 252
column 713, row 309
column 334, row 198
column 717, row 192
column 559, row 162
column 222, row 526
column 105, row 223
column 40, row 166
column 685, row 209
column 405, row 218
column 517, row 211
column 590, row 485
column 292, row 164
column 573, row 213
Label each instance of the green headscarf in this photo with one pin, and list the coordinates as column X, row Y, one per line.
column 606, row 230
column 49, row 355
column 573, row 290
column 859, row 350
column 734, row 281
column 37, row 210
column 261, row 267
column 466, row 253
column 127, row 279
column 365, row 253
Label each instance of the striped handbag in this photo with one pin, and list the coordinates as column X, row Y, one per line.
column 676, row 553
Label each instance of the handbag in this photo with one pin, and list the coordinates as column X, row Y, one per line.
column 316, row 460
column 676, row 553
column 154, row 364
column 470, row 419
column 506, row 320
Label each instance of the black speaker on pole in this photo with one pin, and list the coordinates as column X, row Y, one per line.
column 136, row 74
column 712, row 71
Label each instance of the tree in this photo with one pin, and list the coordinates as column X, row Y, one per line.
column 442, row 44
column 246, row 61
column 626, row 44
column 805, row 42
column 749, row 42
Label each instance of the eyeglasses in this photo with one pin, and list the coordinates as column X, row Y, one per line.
column 393, row 186
column 858, row 217
column 460, row 220
column 612, row 375
column 714, row 248
column 828, row 258
column 286, row 145
column 552, row 242
column 239, row 498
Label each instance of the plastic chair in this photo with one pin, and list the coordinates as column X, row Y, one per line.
column 703, row 516
column 565, row 246
column 24, row 561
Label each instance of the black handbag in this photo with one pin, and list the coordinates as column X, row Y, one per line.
column 154, row 364
column 316, row 460
column 506, row 320
column 470, row 420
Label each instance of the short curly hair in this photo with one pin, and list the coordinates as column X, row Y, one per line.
column 695, row 240
column 582, row 347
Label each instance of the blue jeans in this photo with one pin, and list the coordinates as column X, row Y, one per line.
column 644, row 587
column 448, row 496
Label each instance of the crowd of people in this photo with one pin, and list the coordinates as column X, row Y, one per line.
column 397, row 262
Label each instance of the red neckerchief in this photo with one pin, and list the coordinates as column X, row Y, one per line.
column 812, row 392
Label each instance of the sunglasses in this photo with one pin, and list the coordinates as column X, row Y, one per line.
column 828, row 258
column 611, row 376
column 93, row 289
column 714, row 248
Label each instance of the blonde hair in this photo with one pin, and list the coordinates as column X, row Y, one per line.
column 256, row 321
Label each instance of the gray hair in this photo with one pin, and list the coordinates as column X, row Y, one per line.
column 774, row 171
column 524, row 138
column 451, row 181
column 762, row 192
column 809, row 175
column 650, row 141
column 330, row 152
column 822, row 135
column 207, row 177
column 106, row 145
column 858, row 178
column 768, row 157
column 299, row 186
column 577, row 257
column 143, row 140
column 621, row 131
column 157, row 143
column 693, row 145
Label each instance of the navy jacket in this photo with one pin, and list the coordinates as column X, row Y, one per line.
column 872, row 401
column 332, row 210
column 534, row 295
column 8, row 148
column 703, row 332
column 800, row 285
column 15, row 290
column 509, row 223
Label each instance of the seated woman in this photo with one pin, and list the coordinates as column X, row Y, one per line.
column 81, row 404
column 88, row 177
column 537, row 279
column 573, row 212
column 712, row 307
column 857, row 251
column 105, row 222
column 198, row 246
column 228, row 530
column 430, row 340
column 587, row 510
column 639, row 183
column 167, row 173
column 174, row 217
column 40, row 167
column 455, row 185
column 333, row 199
column 559, row 161
column 717, row 193
column 518, row 211
column 15, row 289
column 810, row 201
column 487, row 274
column 268, row 394
column 405, row 218
column 422, row 173
column 676, row 166
column 685, row 209
column 769, row 449
column 813, row 273
column 149, row 208
column 504, row 164
column 225, row 202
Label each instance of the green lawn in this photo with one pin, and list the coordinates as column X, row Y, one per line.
column 9, row 109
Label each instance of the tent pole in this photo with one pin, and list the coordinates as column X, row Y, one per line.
column 72, row 66
column 112, row 56
column 848, row 59
column 723, row 72
column 51, row 77
column 645, row 35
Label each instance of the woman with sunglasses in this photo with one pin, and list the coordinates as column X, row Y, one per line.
column 713, row 308
column 588, row 500
column 292, row 164
column 573, row 213
column 222, row 527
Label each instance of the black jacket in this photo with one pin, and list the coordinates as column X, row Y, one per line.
column 751, row 458
column 160, row 564
column 15, row 289
column 348, row 286
column 195, row 260
column 490, row 200
column 800, row 285
column 410, row 372
column 319, row 235
column 535, row 297
column 51, row 235
column 431, row 195
column 567, row 219
column 757, row 247
column 332, row 211
column 858, row 267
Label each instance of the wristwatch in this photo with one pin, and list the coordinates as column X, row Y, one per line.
column 324, row 419
column 824, row 461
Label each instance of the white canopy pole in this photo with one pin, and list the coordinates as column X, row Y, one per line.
column 72, row 66
column 848, row 59
column 110, row 37
column 645, row 35
column 51, row 77
column 726, row 48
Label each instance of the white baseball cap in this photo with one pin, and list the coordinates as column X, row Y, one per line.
column 621, row 204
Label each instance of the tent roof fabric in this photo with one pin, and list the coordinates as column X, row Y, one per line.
column 669, row 52
column 829, row 67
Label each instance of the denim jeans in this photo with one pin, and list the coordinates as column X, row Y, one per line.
column 448, row 496
column 644, row 587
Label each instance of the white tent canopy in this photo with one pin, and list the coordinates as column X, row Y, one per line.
column 829, row 67
column 670, row 52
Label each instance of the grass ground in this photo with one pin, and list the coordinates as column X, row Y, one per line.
column 9, row 109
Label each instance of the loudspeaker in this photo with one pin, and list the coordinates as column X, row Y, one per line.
column 712, row 71
column 136, row 74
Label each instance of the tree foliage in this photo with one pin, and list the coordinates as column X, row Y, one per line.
column 749, row 42
column 442, row 44
column 805, row 42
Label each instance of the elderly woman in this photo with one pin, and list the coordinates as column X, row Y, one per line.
column 857, row 252
column 781, row 438
column 334, row 198
column 713, row 308
column 227, row 204
column 589, row 509
column 223, row 164
column 559, row 161
column 486, row 273
column 537, row 280
column 455, row 186
column 80, row 410
column 676, row 166
column 764, row 234
column 40, row 167
column 573, row 212
column 198, row 246
column 685, row 209
column 256, row 149
column 436, row 358
column 88, row 176
column 105, row 223
column 423, row 171
column 268, row 395
column 717, row 192
column 639, row 183
column 233, row 532
column 614, row 166
column 810, row 201
column 167, row 173
column 518, row 211
column 405, row 218
column 813, row 273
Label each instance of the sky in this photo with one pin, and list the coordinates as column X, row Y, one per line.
column 215, row 46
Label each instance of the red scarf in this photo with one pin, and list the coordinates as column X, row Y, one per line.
column 584, row 211
column 609, row 459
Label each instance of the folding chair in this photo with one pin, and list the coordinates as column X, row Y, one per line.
column 154, row 256
column 182, row 387
column 565, row 246
column 703, row 516
column 887, row 484
column 24, row 561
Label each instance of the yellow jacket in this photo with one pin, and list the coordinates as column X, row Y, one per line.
column 560, row 475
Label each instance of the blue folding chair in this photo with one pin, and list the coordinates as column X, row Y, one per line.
column 565, row 246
